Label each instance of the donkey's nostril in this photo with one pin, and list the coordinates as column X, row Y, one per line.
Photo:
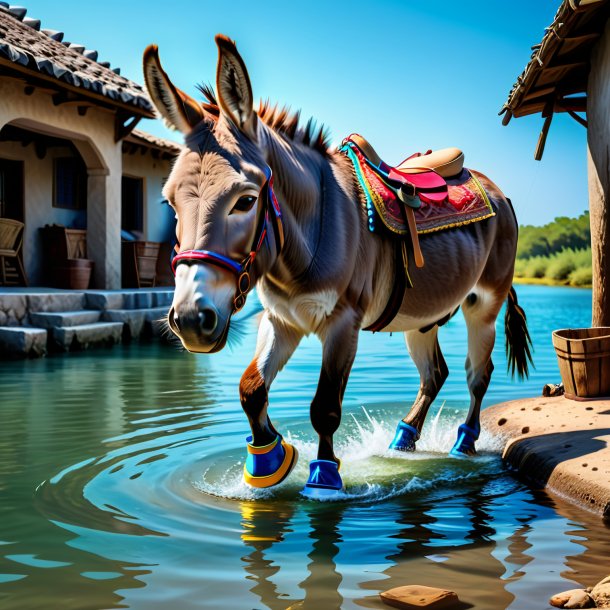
column 207, row 320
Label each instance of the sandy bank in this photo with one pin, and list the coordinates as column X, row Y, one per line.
column 558, row 444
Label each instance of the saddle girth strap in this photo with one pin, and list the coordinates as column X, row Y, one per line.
column 398, row 292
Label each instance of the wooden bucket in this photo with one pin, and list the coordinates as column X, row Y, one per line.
column 74, row 273
column 583, row 355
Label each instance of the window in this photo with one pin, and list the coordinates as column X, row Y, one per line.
column 132, row 204
column 69, row 183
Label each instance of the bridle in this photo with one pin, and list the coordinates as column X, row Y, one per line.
column 268, row 211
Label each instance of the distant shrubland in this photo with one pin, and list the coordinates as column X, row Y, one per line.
column 556, row 253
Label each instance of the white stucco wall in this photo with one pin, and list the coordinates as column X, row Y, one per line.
column 93, row 135
column 158, row 217
column 38, row 203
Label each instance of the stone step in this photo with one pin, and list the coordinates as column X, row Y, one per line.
column 85, row 335
column 21, row 341
column 133, row 319
column 155, row 321
column 56, row 301
column 64, row 318
column 137, row 299
column 137, row 320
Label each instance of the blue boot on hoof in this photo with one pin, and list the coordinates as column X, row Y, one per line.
column 405, row 438
column 269, row 465
column 324, row 480
column 464, row 446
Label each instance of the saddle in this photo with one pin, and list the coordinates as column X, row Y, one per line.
column 422, row 194
column 394, row 193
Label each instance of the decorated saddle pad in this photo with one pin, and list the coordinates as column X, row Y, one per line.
column 465, row 202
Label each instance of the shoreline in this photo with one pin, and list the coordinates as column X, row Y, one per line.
column 542, row 281
column 557, row 444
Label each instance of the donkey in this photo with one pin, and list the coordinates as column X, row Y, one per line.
column 260, row 200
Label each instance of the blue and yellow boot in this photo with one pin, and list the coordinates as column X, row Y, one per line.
column 269, row 465
column 464, row 446
column 405, row 438
column 324, row 480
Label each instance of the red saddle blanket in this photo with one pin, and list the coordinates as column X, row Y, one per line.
column 465, row 202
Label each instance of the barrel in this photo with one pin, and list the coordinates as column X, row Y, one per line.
column 74, row 273
column 583, row 355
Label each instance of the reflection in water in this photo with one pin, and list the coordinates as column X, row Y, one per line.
column 102, row 455
column 263, row 526
column 322, row 584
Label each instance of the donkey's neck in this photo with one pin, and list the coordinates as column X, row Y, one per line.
column 299, row 173
column 297, row 170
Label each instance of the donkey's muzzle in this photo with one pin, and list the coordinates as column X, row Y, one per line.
column 198, row 325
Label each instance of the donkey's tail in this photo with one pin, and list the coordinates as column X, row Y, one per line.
column 518, row 340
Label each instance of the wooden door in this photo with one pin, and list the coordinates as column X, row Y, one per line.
column 11, row 189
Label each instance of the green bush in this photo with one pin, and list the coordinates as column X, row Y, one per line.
column 536, row 266
column 520, row 267
column 568, row 265
column 561, row 265
column 581, row 277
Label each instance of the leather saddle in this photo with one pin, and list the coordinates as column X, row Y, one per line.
column 418, row 179
column 446, row 162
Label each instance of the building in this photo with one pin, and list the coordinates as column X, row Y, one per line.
column 569, row 71
column 69, row 151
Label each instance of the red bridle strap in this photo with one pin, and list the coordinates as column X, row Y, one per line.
column 268, row 208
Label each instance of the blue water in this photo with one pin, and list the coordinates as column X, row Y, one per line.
column 120, row 484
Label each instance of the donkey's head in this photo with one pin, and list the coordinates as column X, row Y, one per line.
column 220, row 190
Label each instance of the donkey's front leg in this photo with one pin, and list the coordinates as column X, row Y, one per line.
column 340, row 345
column 270, row 459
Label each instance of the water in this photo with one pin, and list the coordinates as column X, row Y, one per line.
column 120, row 485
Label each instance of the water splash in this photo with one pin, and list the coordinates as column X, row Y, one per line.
column 371, row 472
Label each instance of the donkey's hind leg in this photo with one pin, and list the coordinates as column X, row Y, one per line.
column 270, row 459
column 426, row 353
column 480, row 310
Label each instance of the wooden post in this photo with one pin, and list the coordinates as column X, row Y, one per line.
column 598, row 139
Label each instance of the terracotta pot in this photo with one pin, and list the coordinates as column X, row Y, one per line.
column 583, row 355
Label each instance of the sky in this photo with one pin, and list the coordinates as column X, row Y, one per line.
column 408, row 75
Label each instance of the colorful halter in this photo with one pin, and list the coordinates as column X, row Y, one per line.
column 268, row 210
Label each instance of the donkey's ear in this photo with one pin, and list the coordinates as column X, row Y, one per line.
column 233, row 86
column 179, row 110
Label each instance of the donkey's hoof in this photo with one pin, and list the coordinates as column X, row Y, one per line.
column 405, row 438
column 269, row 465
column 464, row 446
column 324, row 480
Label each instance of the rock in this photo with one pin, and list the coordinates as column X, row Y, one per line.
column 561, row 599
column 601, row 593
column 580, row 599
column 413, row 597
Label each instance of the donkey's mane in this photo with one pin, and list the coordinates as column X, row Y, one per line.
column 280, row 119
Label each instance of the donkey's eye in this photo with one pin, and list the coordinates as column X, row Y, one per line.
column 244, row 204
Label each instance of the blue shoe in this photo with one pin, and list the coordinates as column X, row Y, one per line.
column 464, row 446
column 405, row 438
column 324, row 480
column 269, row 465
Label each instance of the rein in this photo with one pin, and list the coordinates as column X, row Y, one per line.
column 268, row 212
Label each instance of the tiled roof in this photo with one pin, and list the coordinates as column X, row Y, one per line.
column 559, row 65
column 23, row 43
column 141, row 137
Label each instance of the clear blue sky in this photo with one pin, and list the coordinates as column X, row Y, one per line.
column 409, row 75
